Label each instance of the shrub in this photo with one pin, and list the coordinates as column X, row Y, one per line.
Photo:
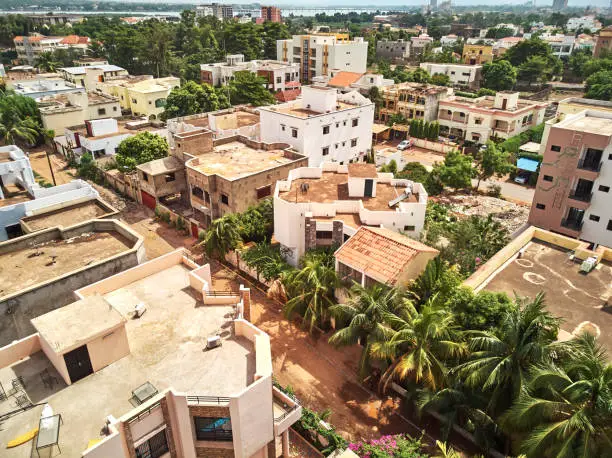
column 165, row 217
column 494, row 190
column 396, row 446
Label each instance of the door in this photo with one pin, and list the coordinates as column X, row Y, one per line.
column 148, row 200
column 78, row 363
column 369, row 186
column 194, row 230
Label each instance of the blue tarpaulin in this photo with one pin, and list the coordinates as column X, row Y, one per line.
column 530, row 165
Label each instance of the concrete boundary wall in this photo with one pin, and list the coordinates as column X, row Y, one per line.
column 19, row 349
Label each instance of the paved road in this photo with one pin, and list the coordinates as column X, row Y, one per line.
column 509, row 190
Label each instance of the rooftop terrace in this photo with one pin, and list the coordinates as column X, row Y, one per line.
column 236, row 159
column 67, row 216
column 333, row 186
column 589, row 121
column 166, row 349
column 575, row 297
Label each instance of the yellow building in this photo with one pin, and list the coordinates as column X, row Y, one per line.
column 477, row 54
column 143, row 96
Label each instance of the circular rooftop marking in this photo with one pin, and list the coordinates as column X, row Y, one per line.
column 524, row 262
column 587, row 326
column 534, row 278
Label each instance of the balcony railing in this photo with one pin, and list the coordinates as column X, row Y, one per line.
column 581, row 197
column 571, row 224
column 590, row 165
column 207, row 400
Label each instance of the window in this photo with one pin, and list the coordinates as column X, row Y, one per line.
column 325, row 151
column 548, row 178
column 197, row 192
column 213, row 428
column 279, row 79
column 594, row 218
column 540, row 206
column 224, row 199
column 102, row 111
column 114, row 108
column 355, row 122
column 555, row 148
column 409, row 228
column 610, row 157
column 603, row 188
column 324, row 234
column 134, row 101
column 169, row 177
column 144, row 176
column 283, row 127
column 153, row 447
column 353, row 142
column 344, row 122
column 294, row 133
column 609, row 227
column 478, row 121
column 325, row 130
column 264, row 191
column 337, row 125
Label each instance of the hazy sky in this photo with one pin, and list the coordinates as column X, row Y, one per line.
column 385, row 2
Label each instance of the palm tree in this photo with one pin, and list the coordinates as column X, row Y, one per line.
column 419, row 345
column 221, row 237
column 500, row 361
column 311, row 289
column 363, row 316
column 47, row 62
column 567, row 409
column 26, row 130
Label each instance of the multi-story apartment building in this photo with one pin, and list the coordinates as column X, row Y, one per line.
column 573, row 190
column 270, row 14
column 74, row 108
column 467, row 76
column 419, row 44
column 393, row 50
column 561, row 45
column 477, row 120
column 322, row 124
column 219, row 10
column 584, row 22
column 236, row 173
column 559, row 5
column 604, row 42
column 142, row 95
column 317, row 54
column 199, row 385
column 323, row 206
column 89, row 75
column 475, row 54
column 412, row 100
column 277, row 74
column 30, row 47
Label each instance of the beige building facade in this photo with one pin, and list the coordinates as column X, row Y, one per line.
column 412, row 100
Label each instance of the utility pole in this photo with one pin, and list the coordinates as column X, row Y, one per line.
column 50, row 167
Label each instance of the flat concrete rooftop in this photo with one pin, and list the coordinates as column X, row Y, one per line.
column 25, row 267
column 167, row 349
column 573, row 296
column 588, row 123
column 297, row 108
column 236, row 160
column 67, row 216
column 333, row 186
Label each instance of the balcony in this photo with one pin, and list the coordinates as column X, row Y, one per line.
column 571, row 224
column 592, row 166
column 287, row 411
column 582, row 197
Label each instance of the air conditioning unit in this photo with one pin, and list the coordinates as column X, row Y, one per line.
column 213, row 342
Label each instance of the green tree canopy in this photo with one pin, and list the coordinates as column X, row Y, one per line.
column 247, row 87
column 440, row 79
column 535, row 69
column 492, row 161
column 456, row 171
column 20, row 119
column 193, row 98
column 499, row 75
column 140, row 148
column 599, row 85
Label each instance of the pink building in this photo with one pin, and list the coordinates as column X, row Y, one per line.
column 271, row 14
column 573, row 191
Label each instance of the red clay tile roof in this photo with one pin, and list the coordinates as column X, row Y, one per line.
column 381, row 254
column 292, row 84
column 344, row 79
column 288, row 95
column 75, row 40
column 362, row 170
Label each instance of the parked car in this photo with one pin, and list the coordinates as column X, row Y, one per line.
column 404, row 144
column 522, row 178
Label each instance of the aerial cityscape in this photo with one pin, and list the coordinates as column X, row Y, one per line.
column 296, row 230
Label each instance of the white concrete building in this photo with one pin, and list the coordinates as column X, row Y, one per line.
column 584, row 22
column 30, row 47
column 322, row 124
column 88, row 76
column 15, row 169
column 317, row 54
column 477, row 120
column 43, row 87
column 561, row 45
column 323, row 206
column 277, row 74
column 449, row 40
column 459, row 74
